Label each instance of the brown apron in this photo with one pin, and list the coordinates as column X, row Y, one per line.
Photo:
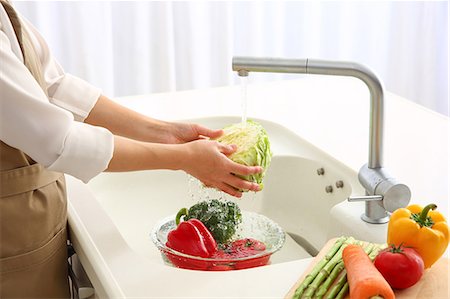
column 33, row 217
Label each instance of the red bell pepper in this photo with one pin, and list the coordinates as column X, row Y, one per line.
column 193, row 238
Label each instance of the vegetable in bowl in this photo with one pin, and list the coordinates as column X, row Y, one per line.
column 220, row 217
column 253, row 147
column 255, row 241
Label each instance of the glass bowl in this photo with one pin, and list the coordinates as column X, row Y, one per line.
column 255, row 226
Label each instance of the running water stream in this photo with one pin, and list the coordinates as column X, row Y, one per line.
column 197, row 191
column 244, row 84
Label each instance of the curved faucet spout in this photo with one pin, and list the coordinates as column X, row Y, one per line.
column 372, row 176
column 243, row 65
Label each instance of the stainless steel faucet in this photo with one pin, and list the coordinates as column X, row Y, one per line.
column 383, row 193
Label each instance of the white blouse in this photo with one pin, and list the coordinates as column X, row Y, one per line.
column 49, row 129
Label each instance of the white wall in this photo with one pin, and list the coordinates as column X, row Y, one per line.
column 137, row 47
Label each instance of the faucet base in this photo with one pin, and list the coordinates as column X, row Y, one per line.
column 381, row 220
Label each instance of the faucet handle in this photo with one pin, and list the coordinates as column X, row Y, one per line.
column 384, row 194
column 365, row 198
column 377, row 207
column 374, row 213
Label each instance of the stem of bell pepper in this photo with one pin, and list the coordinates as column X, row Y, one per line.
column 422, row 217
column 181, row 213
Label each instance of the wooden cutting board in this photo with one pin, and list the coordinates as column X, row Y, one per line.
column 434, row 283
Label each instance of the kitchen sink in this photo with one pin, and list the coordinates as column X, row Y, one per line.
column 298, row 194
column 305, row 192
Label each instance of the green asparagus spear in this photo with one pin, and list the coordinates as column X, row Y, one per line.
column 310, row 277
column 337, row 286
column 343, row 292
column 377, row 248
column 326, row 270
column 327, row 283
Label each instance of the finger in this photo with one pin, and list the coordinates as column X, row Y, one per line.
column 245, row 170
column 227, row 149
column 230, row 190
column 242, row 184
column 213, row 134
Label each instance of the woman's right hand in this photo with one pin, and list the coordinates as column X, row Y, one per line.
column 208, row 161
column 205, row 159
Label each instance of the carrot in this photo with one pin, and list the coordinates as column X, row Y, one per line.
column 363, row 278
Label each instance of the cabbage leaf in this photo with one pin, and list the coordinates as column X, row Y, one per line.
column 253, row 147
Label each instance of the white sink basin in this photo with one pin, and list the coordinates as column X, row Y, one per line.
column 128, row 205
column 294, row 196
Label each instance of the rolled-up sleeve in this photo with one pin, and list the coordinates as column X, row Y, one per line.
column 46, row 129
column 87, row 151
column 68, row 92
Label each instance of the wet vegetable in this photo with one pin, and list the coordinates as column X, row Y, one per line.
column 253, row 147
column 233, row 256
column 240, row 248
column 192, row 237
column 220, row 217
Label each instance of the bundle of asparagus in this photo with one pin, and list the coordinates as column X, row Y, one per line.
column 328, row 279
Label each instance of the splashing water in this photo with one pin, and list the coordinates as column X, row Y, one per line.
column 199, row 192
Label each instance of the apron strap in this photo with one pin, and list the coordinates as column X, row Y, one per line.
column 30, row 56
column 24, row 179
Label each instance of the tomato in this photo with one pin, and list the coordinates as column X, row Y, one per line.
column 401, row 266
column 246, row 247
column 251, row 263
column 187, row 263
column 227, row 257
column 231, row 253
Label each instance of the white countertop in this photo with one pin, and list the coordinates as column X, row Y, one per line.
column 331, row 113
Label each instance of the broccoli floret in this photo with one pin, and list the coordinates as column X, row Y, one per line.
column 220, row 217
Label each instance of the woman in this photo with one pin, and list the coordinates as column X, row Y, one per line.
column 54, row 123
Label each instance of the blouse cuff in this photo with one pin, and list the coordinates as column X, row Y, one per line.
column 75, row 95
column 87, row 152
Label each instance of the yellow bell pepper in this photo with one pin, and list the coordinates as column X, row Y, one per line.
column 423, row 229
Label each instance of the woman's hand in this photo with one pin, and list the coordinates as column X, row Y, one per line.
column 184, row 132
column 207, row 161
column 204, row 159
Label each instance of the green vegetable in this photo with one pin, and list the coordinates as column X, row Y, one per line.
column 220, row 217
column 328, row 279
column 319, row 266
column 323, row 268
column 253, row 147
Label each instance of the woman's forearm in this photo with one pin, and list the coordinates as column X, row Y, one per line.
column 204, row 159
column 131, row 155
column 126, row 122
column 131, row 124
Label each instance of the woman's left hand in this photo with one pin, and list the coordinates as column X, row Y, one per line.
column 184, row 132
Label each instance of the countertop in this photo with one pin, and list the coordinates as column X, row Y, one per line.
column 330, row 112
